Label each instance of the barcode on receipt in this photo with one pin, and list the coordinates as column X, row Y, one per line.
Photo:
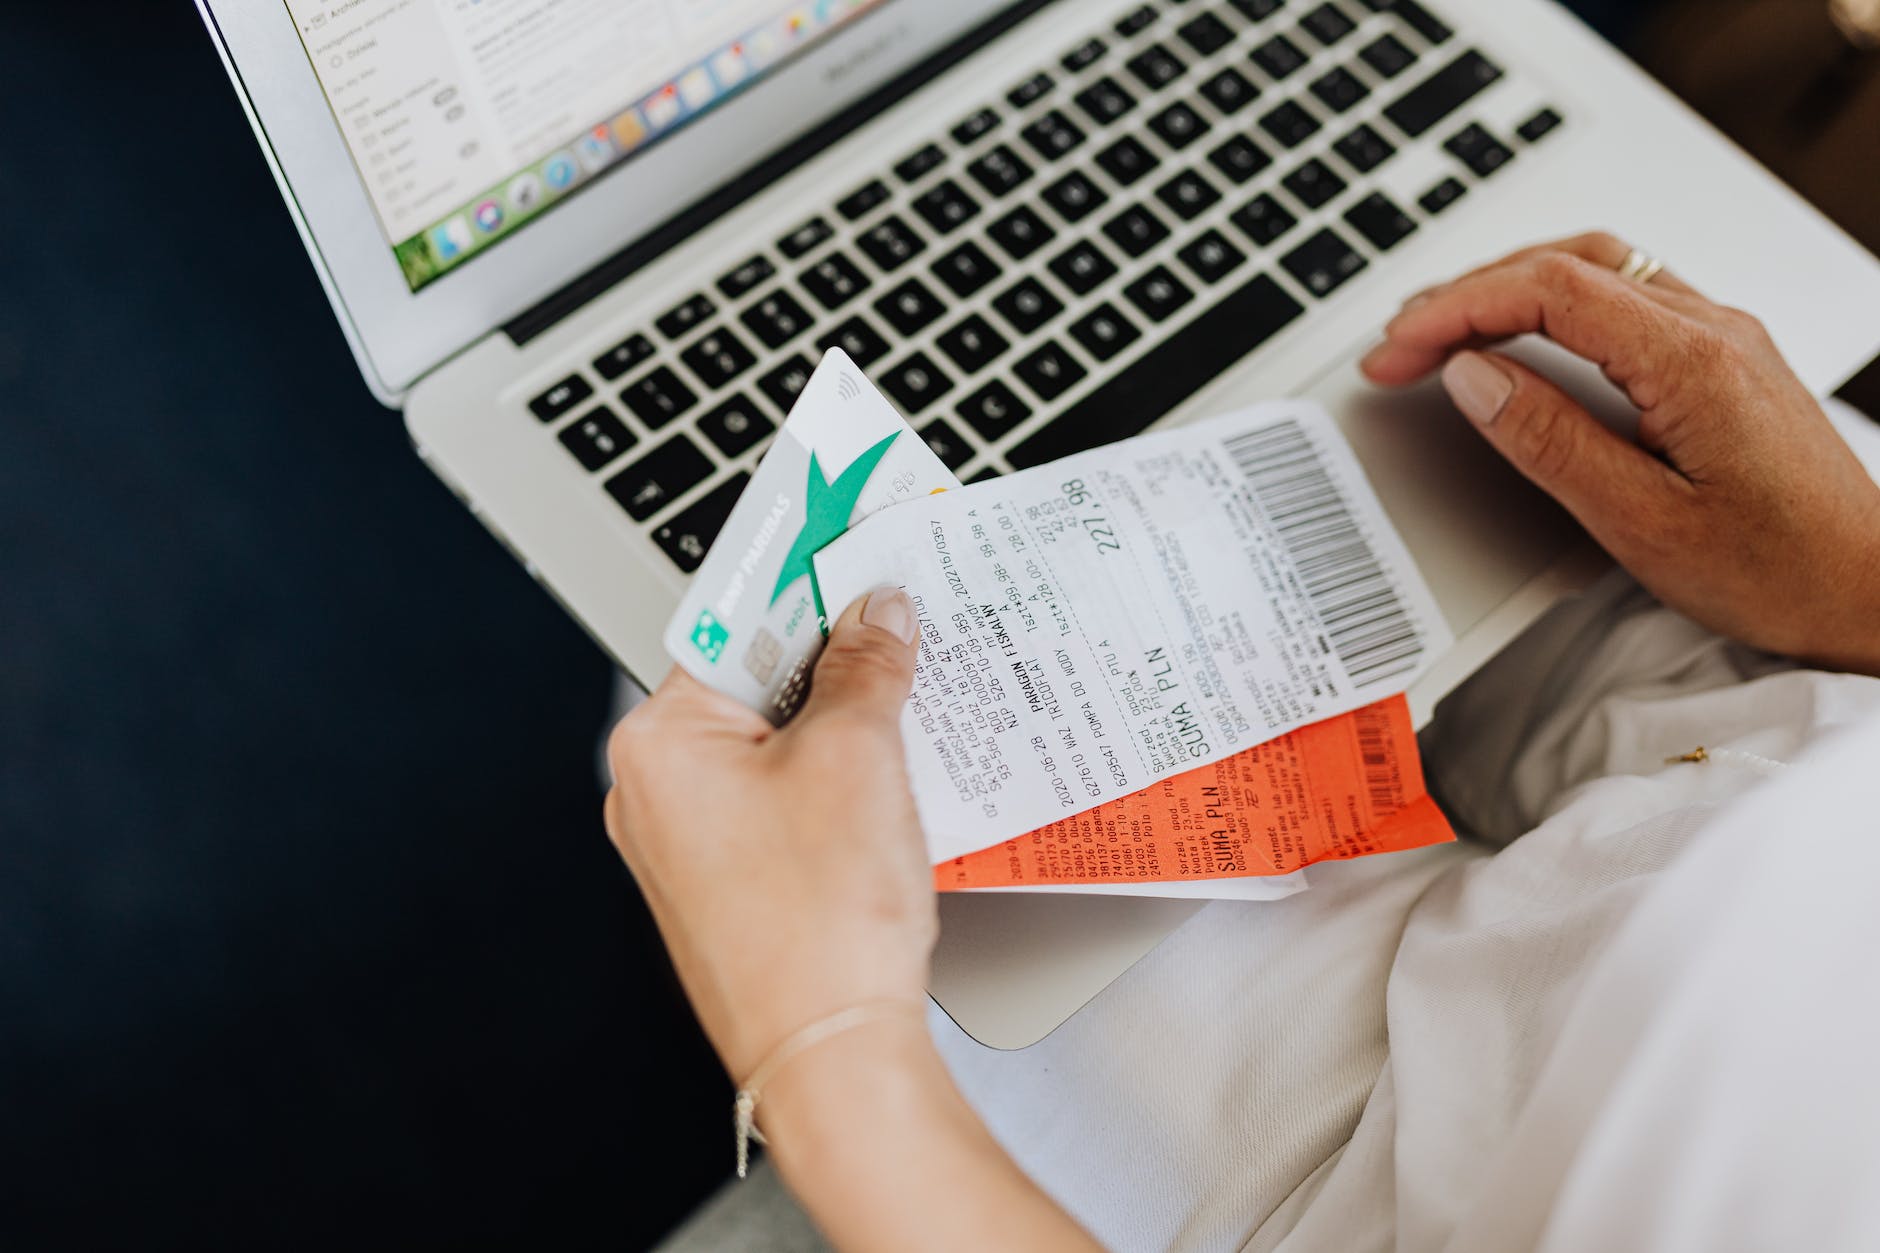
column 1364, row 618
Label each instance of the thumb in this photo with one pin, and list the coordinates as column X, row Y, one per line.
column 1550, row 438
column 867, row 667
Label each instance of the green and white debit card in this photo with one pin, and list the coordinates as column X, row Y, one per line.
column 753, row 621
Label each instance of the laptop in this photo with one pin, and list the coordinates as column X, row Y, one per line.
column 592, row 250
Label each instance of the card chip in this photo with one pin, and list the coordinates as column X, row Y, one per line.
column 762, row 656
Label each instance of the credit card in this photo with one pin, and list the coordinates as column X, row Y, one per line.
column 753, row 621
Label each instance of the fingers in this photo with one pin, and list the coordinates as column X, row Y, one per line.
column 1600, row 478
column 1599, row 248
column 1589, row 310
column 867, row 668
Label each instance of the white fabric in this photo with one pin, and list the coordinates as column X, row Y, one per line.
column 1408, row 1056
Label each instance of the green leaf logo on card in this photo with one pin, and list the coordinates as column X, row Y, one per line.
column 709, row 636
column 826, row 507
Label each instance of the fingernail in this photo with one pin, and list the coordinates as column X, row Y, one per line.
column 1421, row 298
column 1479, row 387
column 1374, row 356
column 888, row 609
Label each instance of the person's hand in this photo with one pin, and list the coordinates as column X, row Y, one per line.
column 786, row 869
column 1739, row 505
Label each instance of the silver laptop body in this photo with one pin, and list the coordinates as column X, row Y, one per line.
column 592, row 249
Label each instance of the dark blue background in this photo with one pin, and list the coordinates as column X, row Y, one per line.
column 309, row 933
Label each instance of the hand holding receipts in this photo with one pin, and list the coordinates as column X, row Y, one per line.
column 1096, row 625
column 1132, row 663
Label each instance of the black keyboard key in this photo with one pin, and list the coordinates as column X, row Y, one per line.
column 891, row 243
column 1178, row 126
column 1229, row 91
column 983, row 473
column 782, row 385
column 1421, row 20
column 1239, row 158
column 973, row 344
column 1021, row 233
column 1279, row 56
column 800, row 242
column 686, row 316
column 1027, row 305
column 1188, row 195
column 1264, row 220
column 1258, row 10
column 1029, row 92
column 623, row 356
column 1323, row 263
column 1388, row 55
column 947, row 444
column 659, row 478
column 1442, row 93
column 1441, row 196
column 915, row 383
column 1049, row 372
column 1340, row 89
column 858, row 339
column 1135, row 230
column 718, row 357
column 1539, row 126
column 1105, row 100
column 1379, row 220
column 999, row 170
column 1364, row 149
column 966, row 269
column 1159, row 293
column 947, row 207
column 744, row 280
column 776, row 319
column 1127, row 160
column 1084, row 55
column 863, row 200
column 1328, row 24
column 1166, row 375
column 1083, row 268
column 688, row 536
column 1211, row 257
column 1156, row 67
column 1479, row 150
column 909, row 307
column 659, row 397
column 1053, row 135
column 1314, row 184
column 1206, row 34
column 1291, row 124
column 918, row 164
column 596, row 438
column 736, row 426
column 975, row 127
column 1104, row 331
column 834, row 281
column 1135, row 21
column 1074, row 197
column 993, row 410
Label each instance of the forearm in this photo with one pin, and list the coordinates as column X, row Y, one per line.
column 874, row 1139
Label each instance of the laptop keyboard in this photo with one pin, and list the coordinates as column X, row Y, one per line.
column 1058, row 268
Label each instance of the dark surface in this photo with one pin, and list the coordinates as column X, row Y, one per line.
column 309, row 933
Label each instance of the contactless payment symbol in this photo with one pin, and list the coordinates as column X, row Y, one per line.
column 709, row 636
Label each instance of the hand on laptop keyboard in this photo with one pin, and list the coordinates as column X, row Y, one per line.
column 1739, row 505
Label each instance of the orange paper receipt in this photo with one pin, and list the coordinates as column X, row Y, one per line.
column 1346, row 787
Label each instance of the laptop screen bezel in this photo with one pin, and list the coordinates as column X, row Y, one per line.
column 399, row 335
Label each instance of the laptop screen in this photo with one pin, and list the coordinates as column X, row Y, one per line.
column 467, row 119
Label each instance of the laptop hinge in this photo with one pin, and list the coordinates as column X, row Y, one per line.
column 701, row 213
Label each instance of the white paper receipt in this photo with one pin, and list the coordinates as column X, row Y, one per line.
column 1094, row 625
